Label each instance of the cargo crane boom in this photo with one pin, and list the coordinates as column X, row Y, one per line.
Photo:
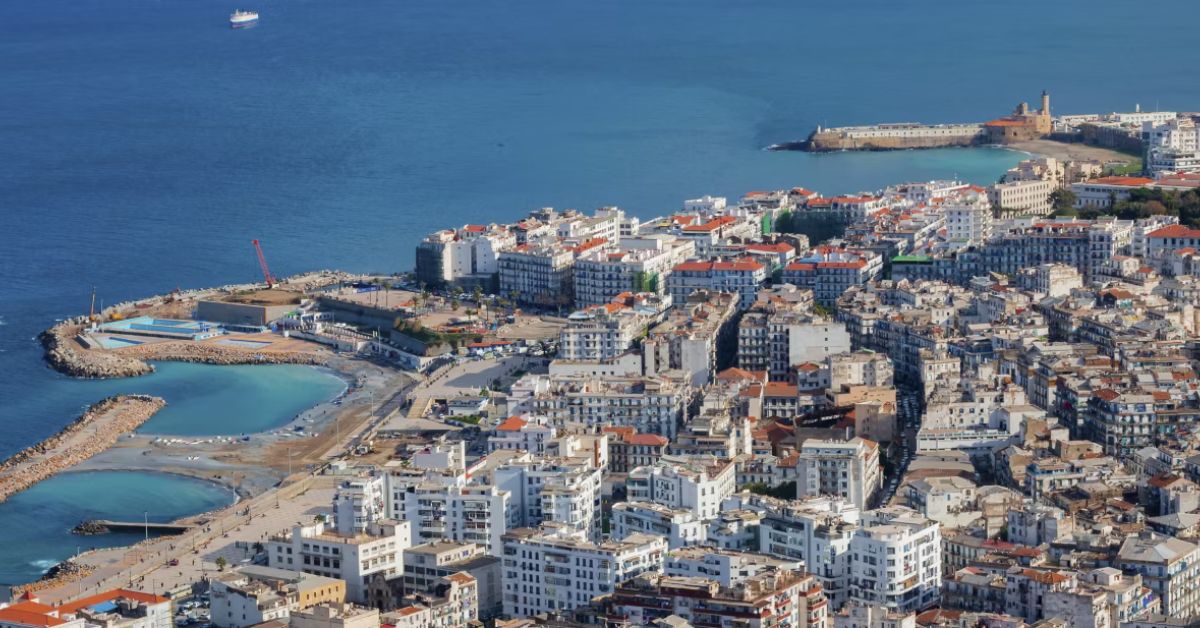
column 262, row 263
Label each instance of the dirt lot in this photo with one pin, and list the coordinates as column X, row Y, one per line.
column 265, row 297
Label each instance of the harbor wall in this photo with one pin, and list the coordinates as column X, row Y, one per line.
column 108, row 420
column 835, row 141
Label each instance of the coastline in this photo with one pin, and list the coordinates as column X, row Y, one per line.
column 248, row 466
column 109, row 418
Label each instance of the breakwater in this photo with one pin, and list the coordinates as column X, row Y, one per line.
column 59, row 575
column 65, row 355
column 97, row 429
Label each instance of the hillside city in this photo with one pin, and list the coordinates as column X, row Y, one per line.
column 948, row 405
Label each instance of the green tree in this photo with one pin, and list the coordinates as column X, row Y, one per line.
column 221, row 562
column 1062, row 199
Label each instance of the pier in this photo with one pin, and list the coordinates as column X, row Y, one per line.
column 142, row 526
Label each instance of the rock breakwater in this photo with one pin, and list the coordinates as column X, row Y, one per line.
column 97, row 429
column 67, row 356
column 63, row 573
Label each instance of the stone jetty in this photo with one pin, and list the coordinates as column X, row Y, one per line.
column 67, row 356
column 65, row 572
column 97, row 429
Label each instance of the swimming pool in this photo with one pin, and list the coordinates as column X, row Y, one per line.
column 114, row 342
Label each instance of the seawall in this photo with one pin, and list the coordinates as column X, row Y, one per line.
column 97, row 429
column 833, row 142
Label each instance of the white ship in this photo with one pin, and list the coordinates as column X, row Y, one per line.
column 242, row 19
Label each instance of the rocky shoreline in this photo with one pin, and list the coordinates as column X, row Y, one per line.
column 65, row 355
column 66, row 572
column 125, row 413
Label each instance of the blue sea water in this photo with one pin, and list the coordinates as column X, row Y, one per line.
column 37, row 523
column 143, row 143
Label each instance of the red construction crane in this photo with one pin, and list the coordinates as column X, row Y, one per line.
column 262, row 262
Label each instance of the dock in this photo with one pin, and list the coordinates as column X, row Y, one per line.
column 141, row 526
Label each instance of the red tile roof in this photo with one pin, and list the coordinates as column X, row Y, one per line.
column 653, row 440
column 1175, row 231
column 99, row 598
column 1125, row 181
column 512, row 424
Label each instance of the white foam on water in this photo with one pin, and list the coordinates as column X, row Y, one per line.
column 44, row 565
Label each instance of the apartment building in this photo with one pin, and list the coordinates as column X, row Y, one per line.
column 522, row 433
column 470, row 252
column 1169, row 566
column 545, row 570
column 696, row 484
column 425, row 564
column 602, row 332
column 1029, row 197
column 814, row 530
column 335, row 616
column 771, row 598
column 831, row 272
column 680, row 526
column 627, row 449
column 895, row 560
column 742, row 277
column 727, row 566
column 1123, row 422
column 968, row 224
column 540, row 275
column 636, row 265
column 651, row 405
column 451, row 601
column 688, row 341
column 370, row 561
column 252, row 595
column 565, row 491
column 848, row 469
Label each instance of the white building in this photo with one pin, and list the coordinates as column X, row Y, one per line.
column 742, row 277
column 1169, row 566
column 528, row 433
column 896, row 560
column 729, row 567
column 1022, row 197
column 680, row 526
column 252, row 595
column 365, row 560
column 602, row 332
column 815, row 530
column 968, row 223
column 696, row 484
column 848, row 469
column 547, row 571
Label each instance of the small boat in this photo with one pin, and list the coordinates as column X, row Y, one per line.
column 242, row 19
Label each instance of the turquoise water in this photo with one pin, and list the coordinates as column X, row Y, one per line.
column 205, row 400
column 37, row 522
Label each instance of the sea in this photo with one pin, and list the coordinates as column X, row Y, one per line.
column 144, row 144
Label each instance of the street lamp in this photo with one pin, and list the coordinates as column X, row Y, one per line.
column 146, row 522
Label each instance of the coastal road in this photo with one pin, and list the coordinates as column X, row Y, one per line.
column 230, row 535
